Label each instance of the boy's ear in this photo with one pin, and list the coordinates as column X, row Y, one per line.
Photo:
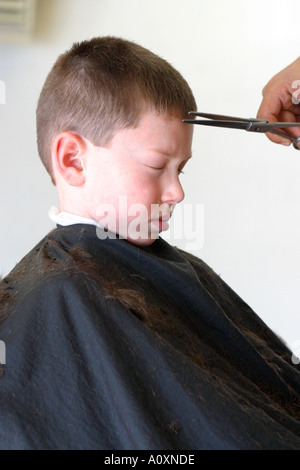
column 68, row 155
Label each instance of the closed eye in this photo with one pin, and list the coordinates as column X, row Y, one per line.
column 155, row 167
column 180, row 172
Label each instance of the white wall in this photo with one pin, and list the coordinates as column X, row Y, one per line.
column 227, row 50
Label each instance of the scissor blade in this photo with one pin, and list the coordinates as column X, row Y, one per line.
column 229, row 124
column 220, row 117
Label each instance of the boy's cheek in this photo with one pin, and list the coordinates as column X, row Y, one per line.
column 130, row 220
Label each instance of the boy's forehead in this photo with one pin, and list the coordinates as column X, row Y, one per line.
column 168, row 134
column 154, row 115
column 155, row 123
column 164, row 134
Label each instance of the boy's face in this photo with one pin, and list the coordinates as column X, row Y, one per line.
column 134, row 183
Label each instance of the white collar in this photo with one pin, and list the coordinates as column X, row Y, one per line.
column 66, row 218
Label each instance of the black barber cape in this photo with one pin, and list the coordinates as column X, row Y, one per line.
column 86, row 369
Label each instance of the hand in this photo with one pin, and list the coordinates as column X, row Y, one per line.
column 281, row 101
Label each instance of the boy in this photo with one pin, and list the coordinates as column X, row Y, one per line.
column 114, row 339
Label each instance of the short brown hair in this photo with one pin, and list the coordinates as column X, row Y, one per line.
column 102, row 85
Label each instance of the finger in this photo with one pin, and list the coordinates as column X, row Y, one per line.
column 277, row 139
column 295, row 109
column 288, row 116
column 269, row 108
column 271, row 111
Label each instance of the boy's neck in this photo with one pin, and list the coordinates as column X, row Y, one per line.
column 67, row 218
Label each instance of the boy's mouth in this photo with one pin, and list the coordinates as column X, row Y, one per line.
column 165, row 218
column 162, row 222
column 160, row 219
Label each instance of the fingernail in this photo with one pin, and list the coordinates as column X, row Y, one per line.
column 286, row 142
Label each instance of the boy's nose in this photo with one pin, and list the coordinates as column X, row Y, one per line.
column 173, row 192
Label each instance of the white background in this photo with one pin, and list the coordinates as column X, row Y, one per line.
column 227, row 51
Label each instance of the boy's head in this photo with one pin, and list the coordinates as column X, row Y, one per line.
column 103, row 85
column 109, row 128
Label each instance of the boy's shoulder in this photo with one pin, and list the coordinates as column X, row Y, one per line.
column 48, row 278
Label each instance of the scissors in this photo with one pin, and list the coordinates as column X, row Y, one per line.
column 251, row 125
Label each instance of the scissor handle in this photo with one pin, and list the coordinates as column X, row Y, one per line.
column 284, row 134
column 295, row 141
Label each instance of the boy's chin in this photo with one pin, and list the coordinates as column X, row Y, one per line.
column 142, row 241
column 145, row 240
column 145, row 237
column 139, row 236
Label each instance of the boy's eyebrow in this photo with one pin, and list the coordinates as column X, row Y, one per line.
column 169, row 155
